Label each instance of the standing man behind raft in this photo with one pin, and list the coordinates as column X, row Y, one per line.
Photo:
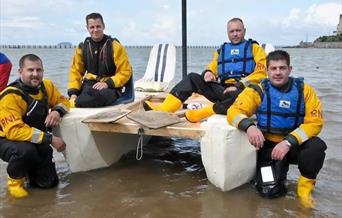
column 24, row 122
column 5, row 70
column 235, row 65
column 289, row 118
column 100, row 67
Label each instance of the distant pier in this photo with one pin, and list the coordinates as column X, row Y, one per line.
column 73, row 46
column 37, row 46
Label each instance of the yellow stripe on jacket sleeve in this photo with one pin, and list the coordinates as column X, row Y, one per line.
column 37, row 136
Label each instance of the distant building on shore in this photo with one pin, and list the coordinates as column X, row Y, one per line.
column 331, row 41
column 339, row 26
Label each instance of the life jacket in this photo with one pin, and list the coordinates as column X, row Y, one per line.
column 281, row 112
column 37, row 110
column 235, row 61
column 98, row 58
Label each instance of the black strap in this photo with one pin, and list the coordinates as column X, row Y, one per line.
column 17, row 92
column 268, row 96
column 299, row 101
column 245, row 55
column 257, row 89
column 164, row 63
column 157, row 63
column 223, row 70
column 25, row 96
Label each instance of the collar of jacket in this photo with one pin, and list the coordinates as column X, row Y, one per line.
column 28, row 89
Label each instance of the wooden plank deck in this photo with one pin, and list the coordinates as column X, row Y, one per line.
column 184, row 129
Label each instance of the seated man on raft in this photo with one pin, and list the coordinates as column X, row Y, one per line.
column 100, row 68
column 235, row 65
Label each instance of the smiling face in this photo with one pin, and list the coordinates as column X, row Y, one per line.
column 95, row 28
column 236, row 31
column 278, row 72
column 31, row 73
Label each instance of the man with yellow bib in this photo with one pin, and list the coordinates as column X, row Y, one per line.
column 100, row 68
column 30, row 107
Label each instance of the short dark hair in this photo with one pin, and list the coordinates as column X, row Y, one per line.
column 94, row 16
column 236, row 19
column 31, row 57
column 278, row 55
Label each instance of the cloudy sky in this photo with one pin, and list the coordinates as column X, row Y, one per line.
column 146, row 22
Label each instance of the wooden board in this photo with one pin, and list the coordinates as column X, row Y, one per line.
column 154, row 119
column 181, row 130
column 107, row 116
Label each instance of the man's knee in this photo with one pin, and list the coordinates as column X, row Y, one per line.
column 108, row 96
column 312, row 157
column 24, row 156
column 220, row 108
column 194, row 77
column 26, row 151
column 314, row 147
column 96, row 98
column 318, row 144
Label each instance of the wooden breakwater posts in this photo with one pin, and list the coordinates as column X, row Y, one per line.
column 37, row 46
column 68, row 46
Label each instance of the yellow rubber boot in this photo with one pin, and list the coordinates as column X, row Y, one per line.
column 170, row 104
column 16, row 187
column 197, row 115
column 304, row 189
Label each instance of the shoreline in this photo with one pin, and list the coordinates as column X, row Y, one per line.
column 337, row 45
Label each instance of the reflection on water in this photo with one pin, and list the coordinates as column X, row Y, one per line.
column 168, row 182
column 170, row 179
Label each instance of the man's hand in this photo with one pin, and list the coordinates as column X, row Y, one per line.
column 58, row 143
column 73, row 97
column 100, row 85
column 230, row 89
column 209, row 76
column 255, row 137
column 280, row 150
column 52, row 119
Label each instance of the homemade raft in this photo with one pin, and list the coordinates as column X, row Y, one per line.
column 98, row 137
